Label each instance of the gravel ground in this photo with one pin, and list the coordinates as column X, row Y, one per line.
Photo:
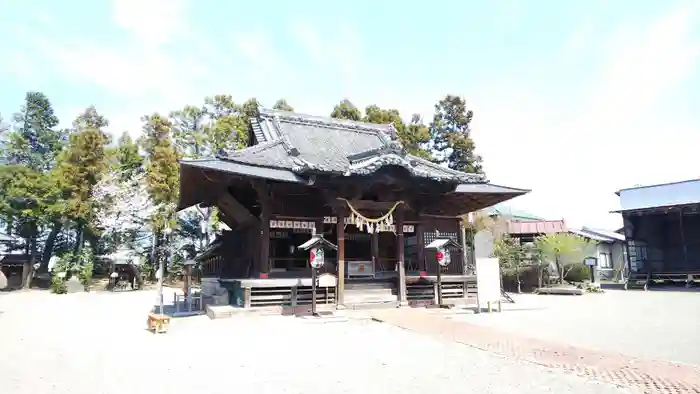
column 661, row 325
column 97, row 343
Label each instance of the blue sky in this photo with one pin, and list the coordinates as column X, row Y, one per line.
column 572, row 99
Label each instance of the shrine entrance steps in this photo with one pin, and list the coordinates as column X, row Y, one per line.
column 370, row 294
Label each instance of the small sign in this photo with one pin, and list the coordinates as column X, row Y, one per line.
column 590, row 261
column 443, row 257
column 316, row 258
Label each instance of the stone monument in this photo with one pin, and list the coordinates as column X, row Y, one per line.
column 3, row 281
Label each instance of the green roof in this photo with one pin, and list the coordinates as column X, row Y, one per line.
column 504, row 210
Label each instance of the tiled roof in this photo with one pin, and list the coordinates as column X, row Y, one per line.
column 657, row 196
column 303, row 143
column 506, row 211
column 536, row 227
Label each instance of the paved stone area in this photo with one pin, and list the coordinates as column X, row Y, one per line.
column 662, row 325
column 648, row 376
column 97, row 343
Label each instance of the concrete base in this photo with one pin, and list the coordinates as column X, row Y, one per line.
column 222, row 311
column 559, row 291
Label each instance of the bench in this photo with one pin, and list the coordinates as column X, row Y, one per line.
column 646, row 279
column 638, row 280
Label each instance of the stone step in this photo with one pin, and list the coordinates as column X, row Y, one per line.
column 367, row 299
column 372, row 305
column 369, row 285
column 369, row 291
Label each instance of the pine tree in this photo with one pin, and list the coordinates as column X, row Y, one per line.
column 282, row 105
column 346, row 110
column 30, row 197
column 451, row 136
column 229, row 128
column 34, row 140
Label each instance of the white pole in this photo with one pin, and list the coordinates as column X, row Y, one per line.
column 160, row 286
column 161, row 269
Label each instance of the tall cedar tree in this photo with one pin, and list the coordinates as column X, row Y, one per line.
column 162, row 168
column 162, row 178
column 451, row 137
column 346, row 110
column 81, row 166
column 34, row 141
column 129, row 160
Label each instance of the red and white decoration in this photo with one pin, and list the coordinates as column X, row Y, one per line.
column 316, row 257
column 443, row 257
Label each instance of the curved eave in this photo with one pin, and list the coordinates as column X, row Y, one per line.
column 191, row 192
column 490, row 188
column 471, row 197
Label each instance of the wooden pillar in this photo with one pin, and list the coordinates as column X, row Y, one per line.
column 420, row 244
column 465, row 253
column 627, row 223
column 265, row 211
column 685, row 246
column 375, row 250
column 340, row 230
column 400, row 250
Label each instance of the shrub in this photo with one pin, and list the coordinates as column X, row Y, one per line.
column 58, row 284
column 85, row 274
column 528, row 278
column 577, row 272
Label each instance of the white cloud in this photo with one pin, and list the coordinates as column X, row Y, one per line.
column 574, row 144
column 575, row 147
column 154, row 22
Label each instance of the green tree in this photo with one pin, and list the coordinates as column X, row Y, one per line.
column 162, row 179
column 564, row 248
column 415, row 137
column 191, row 127
column 229, row 128
column 250, row 109
column 374, row 114
column 510, row 256
column 346, row 110
column 81, row 166
column 31, row 147
column 282, row 105
column 162, row 168
column 128, row 159
column 451, row 136
column 27, row 203
column 34, row 140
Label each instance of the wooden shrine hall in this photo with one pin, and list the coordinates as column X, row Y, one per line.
column 354, row 183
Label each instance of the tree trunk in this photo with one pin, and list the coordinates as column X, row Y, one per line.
column 79, row 238
column 560, row 269
column 28, row 268
column 517, row 278
column 48, row 247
